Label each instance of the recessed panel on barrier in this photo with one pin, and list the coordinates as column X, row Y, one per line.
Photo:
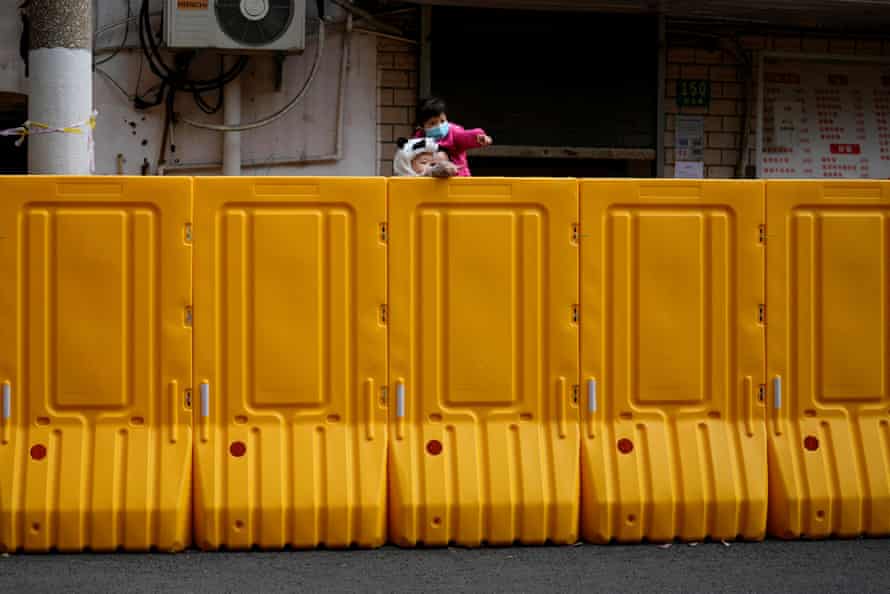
column 828, row 348
column 95, row 363
column 484, row 361
column 290, row 362
column 672, row 422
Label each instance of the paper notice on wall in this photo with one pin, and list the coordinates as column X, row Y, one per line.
column 824, row 118
column 690, row 139
column 689, row 169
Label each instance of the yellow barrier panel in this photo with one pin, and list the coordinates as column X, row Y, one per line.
column 484, row 361
column 828, row 333
column 95, row 363
column 673, row 433
column 290, row 362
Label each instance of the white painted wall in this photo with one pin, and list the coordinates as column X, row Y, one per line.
column 307, row 130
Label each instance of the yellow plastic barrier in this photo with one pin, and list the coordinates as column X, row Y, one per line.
column 95, row 363
column 484, row 361
column 828, row 346
column 290, row 362
column 672, row 426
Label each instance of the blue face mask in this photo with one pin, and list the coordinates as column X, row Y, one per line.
column 438, row 132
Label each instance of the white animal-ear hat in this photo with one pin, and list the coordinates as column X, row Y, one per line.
column 408, row 149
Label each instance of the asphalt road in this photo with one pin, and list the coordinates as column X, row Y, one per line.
column 834, row 566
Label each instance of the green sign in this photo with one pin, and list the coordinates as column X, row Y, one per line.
column 693, row 93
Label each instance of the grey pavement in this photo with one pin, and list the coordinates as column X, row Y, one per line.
column 773, row 566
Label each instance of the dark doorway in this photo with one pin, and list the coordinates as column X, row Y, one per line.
column 549, row 79
column 13, row 113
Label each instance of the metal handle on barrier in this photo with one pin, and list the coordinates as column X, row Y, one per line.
column 7, row 411
column 400, row 409
column 591, row 404
column 205, row 411
column 777, row 403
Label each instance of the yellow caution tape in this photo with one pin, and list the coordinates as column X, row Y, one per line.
column 30, row 128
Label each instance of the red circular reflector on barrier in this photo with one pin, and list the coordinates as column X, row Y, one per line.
column 434, row 447
column 237, row 449
column 38, row 452
column 625, row 446
column 811, row 443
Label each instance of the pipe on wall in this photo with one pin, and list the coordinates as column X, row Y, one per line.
column 231, row 156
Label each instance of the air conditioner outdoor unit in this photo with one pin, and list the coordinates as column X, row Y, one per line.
column 241, row 25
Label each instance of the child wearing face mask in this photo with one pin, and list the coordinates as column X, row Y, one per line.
column 452, row 138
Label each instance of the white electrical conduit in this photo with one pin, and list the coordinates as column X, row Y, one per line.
column 231, row 153
column 319, row 52
column 306, row 160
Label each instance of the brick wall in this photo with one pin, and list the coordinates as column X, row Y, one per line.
column 397, row 80
column 396, row 96
column 722, row 118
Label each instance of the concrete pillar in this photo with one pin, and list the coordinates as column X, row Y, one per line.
column 61, row 59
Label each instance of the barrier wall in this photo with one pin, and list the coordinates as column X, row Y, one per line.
column 428, row 362
column 483, row 361
column 95, row 363
column 290, row 361
column 673, row 439
column 828, row 289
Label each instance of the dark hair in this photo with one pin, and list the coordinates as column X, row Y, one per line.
column 430, row 108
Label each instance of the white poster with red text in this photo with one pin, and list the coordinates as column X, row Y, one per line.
column 824, row 119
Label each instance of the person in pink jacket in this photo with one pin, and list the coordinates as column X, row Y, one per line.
column 451, row 138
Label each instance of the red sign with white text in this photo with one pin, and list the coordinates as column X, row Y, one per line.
column 845, row 149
